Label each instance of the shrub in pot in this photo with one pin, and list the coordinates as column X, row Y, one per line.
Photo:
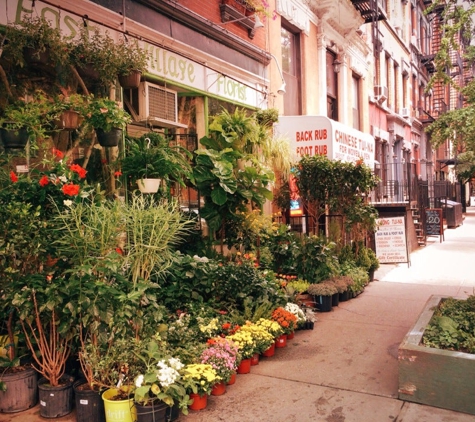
column 323, row 293
column 132, row 63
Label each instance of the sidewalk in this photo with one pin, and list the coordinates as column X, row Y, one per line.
column 345, row 370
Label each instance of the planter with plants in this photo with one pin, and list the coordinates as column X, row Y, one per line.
column 341, row 283
column 133, row 62
column 150, row 160
column 24, row 121
column 35, row 42
column 158, row 388
column 437, row 356
column 198, row 380
column 108, row 119
column 323, row 293
column 68, row 111
column 49, row 328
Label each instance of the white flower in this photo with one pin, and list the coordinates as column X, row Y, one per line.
column 63, row 179
column 68, row 202
column 139, row 381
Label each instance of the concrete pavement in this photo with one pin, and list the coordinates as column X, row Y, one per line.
column 345, row 370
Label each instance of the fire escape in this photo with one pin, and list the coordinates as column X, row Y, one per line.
column 431, row 108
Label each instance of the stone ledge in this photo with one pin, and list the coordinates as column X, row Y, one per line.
column 435, row 377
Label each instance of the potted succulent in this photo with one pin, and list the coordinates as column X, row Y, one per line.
column 150, row 159
column 132, row 63
column 323, row 293
column 108, row 119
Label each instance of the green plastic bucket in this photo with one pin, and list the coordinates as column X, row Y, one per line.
column 118, row 410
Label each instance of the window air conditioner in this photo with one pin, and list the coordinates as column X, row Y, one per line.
column 380, row 93
column 404, row 112
column 156, row 106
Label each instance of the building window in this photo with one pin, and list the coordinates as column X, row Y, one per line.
column 356, row 102
column 332, row 87
column 291, row 70
column 396, row 87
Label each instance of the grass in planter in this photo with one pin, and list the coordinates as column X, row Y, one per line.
column 452, row 326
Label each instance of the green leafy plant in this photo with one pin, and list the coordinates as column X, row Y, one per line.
column 452, row 326
column 104, row 113
column 131, row 57
column 151, row 156
column 160, row 379
column 37, row 34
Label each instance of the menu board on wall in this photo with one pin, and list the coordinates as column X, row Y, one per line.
column 434, row 222
column 390, row 239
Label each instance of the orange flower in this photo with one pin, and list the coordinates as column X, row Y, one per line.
column 79, row 170
column 226, row 326
column 70, row 190
column 44, row 181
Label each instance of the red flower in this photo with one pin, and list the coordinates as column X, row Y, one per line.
column 118, row 174
column 119, row 251
column 211, row 341
column 58, row 153
column 226, row 326
column 44, row 181
column 13, row 177
column 79, row 170
column 70, row 190
column 223, row 312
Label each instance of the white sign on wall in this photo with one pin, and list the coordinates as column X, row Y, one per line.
column 390, row 239
column 319, row 135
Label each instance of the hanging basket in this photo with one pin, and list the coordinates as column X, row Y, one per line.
column 69, row 120
column 131, row 80
column 14, row 138
column 149, row 185
column 109, row 139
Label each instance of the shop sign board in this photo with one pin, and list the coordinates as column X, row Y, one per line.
column 319, row 135
column 390, row 240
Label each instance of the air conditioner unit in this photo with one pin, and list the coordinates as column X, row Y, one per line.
column 154, row 105
column 380, row 93
column 404, row 112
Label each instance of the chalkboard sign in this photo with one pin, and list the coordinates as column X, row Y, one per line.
column 434, row 222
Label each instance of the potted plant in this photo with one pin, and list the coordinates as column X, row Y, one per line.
column 158, row 387
column 246, row 347
column 44, row 306
column 261, row 337
column 198, row 380
column 288, row 322
column 299, row 314
column 222, row 354
column 273, row 328
column 95, row 56
column 132, row 63
column 323, row 293
column 108, row 119
column 35, row 42
column 22, row 121
column 68, row 111
column 150, row 157
column 341, row 283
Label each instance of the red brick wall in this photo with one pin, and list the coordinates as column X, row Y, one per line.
column 209, row 9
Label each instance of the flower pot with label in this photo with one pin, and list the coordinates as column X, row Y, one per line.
column 89, row 403
column 56, row 401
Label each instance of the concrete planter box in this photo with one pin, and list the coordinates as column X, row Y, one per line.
column 434, row 377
